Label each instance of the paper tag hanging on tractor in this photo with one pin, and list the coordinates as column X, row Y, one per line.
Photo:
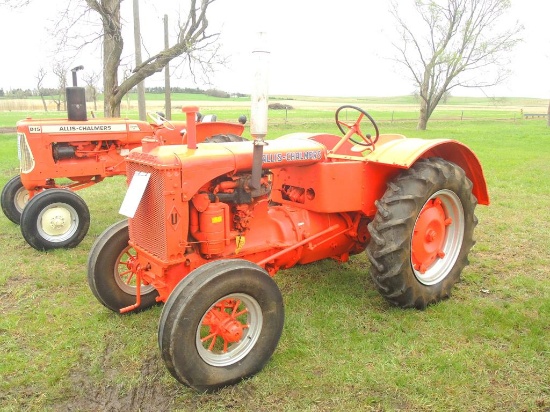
column 239, row 242
column 134, row 194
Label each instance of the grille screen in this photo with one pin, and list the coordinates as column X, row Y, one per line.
column 148, row 227
column 26, row 159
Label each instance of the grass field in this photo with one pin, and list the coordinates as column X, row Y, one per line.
column 343, row 347
column 305, row 108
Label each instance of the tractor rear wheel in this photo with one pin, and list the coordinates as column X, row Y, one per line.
column 110, row 274
column 14, row 198
column 221, row 324
column 422, row 233
column 55, row 218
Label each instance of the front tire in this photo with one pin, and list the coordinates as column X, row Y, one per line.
column 221, row 324
column 14, row 199
column 422, row 233
column 110, row 274
column 55, row 218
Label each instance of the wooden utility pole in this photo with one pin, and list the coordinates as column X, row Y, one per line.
column 137, row 45
column 167, row 96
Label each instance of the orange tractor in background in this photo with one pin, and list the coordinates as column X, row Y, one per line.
column 209, row 224
column 60, row 156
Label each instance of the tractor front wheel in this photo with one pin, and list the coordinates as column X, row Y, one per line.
column 14, row 198
column 221, row 324
column 111, row 273
column 55, row 218
column 422, row 233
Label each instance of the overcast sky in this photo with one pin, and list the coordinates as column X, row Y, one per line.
column 319, row 48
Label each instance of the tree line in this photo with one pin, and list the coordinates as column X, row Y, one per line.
column 29, row 93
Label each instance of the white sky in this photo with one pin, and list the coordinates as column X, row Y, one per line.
column 321, row 48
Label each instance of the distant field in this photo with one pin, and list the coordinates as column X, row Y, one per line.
column 306, row 109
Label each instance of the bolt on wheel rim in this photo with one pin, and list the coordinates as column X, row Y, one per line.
column 437, row 237
column 58, row 222
column 124, row 274
column 229, row 330
column 21, row 199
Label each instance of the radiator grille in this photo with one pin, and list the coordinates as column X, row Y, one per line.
column 26, row 159
column 148, row 227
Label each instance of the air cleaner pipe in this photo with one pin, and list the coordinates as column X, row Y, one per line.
column 258, row 110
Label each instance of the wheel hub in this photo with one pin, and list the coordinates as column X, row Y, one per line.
column 224, row 324
column 229, row 330
column 56, row 221
column 429, row 235
column 21, row 199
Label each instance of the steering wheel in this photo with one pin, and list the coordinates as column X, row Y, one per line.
column 159, row 120
column 354, row 128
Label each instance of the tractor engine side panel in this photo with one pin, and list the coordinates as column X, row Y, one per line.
column 328, row 187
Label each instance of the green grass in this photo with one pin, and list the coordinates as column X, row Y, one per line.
column 343, row 347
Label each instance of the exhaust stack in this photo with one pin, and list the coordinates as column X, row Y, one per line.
column 76, row 99
column 258, row 110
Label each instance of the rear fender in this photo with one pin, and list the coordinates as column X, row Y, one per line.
column 404, row 152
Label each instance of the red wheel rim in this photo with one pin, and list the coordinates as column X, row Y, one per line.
column 437, row 237
column 229, row 330
column 125, row 275
column 429, row 235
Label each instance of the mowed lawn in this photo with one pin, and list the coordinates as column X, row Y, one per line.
column 343, row 347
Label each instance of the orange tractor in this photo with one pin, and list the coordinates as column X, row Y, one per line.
column 210, row 223
column 60, row 156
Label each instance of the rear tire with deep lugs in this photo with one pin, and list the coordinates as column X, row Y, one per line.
column 422, row 233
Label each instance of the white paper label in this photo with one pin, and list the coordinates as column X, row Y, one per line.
column 134, row 194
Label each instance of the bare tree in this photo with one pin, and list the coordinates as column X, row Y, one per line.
column 193, row 43
column 39, row 79
column 450, row 43
column 60, row 70
column 14, row 4
column 91, row 80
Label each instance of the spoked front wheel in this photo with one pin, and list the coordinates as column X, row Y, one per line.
column 221, row 324
column 111, row 271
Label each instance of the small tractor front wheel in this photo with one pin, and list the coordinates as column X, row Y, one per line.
column 111, row 274
column 14, row 199
column 221, row 324
column 422, row 233
column 55, row 218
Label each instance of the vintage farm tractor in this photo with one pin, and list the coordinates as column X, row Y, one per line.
column 60, row 156
column 211, row 223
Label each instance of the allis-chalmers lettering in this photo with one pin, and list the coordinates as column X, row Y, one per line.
column 291, row 156
column 85, row 128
